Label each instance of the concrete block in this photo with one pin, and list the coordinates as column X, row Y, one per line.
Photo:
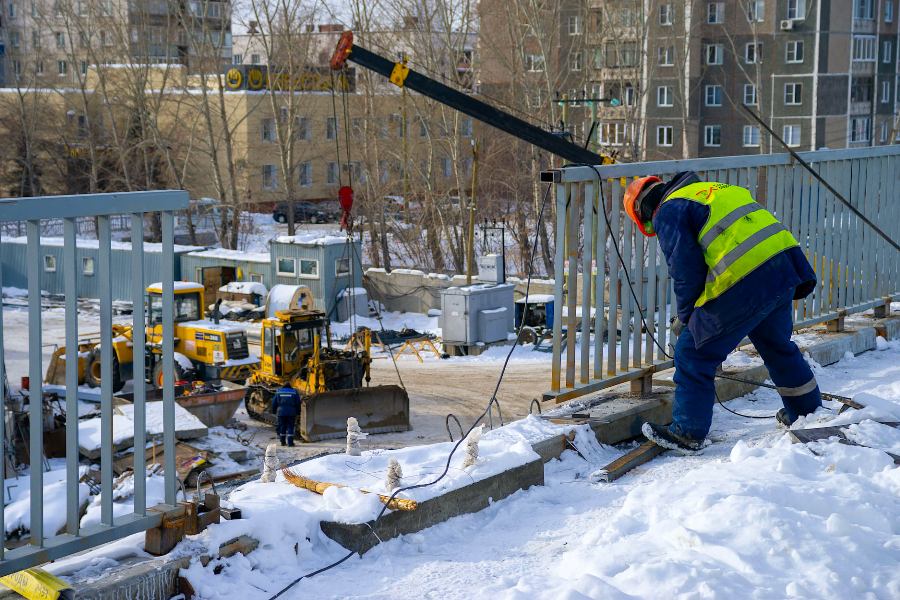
column 833, row 348
column 362, row 537
column 888, row 328
column 616, row 416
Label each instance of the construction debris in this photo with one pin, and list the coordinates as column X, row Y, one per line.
column 319, row 487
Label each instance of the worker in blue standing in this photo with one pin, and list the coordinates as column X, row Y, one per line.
column 286, row 406
column 736, row 271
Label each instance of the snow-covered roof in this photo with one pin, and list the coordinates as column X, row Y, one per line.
column 312, row 239
column 180, row 286
column 225, row 254
column 95, row 244
column 244, row 287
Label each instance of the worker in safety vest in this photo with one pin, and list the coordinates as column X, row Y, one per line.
column 736, row 271
column 286, row 406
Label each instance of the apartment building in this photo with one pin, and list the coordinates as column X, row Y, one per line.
column 55, row 41
column 674, row 76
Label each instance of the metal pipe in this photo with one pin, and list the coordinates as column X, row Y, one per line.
column 35, row 376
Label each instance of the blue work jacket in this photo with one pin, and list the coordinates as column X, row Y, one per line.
column 286, row 402
column 677, row 224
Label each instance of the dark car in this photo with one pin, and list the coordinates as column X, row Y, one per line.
column 304, row 212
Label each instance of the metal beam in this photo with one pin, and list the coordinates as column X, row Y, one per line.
column 90, row 205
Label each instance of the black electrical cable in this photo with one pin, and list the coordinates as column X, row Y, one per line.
column 481, row 417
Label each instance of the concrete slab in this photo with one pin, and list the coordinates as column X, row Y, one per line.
column 362, row 537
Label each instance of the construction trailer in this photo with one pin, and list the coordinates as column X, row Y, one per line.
column 325, row 264
column 217, row 267
column 87, row 260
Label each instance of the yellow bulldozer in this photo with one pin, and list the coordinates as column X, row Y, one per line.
column 329, row 380
column 203, row 349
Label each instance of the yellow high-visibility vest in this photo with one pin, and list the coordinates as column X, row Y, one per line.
column 739, row 236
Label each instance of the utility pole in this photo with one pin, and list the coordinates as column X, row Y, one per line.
column 470, row 242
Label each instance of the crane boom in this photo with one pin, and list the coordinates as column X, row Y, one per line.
column 402, row 76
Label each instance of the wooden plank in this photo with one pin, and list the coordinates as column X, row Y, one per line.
column 622, row 465
column 805, row 436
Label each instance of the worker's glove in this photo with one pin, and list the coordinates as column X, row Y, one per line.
column 676, row 326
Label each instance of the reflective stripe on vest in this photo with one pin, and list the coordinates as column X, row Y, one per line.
column 738, row 237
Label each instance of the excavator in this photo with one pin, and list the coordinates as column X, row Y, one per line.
column 329, row 380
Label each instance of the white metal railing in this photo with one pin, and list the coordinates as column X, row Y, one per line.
column 70, row 209
column 857, row 270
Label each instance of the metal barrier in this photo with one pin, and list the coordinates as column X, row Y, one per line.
column 46, row 546
column 857, row 270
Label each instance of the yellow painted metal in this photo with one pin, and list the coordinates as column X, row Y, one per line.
column 399, row 73
column 319, row 487
column 37, row 584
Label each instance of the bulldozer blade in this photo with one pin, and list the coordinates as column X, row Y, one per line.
column 379, row 409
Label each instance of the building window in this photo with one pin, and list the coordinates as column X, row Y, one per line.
column 614, row 134
column 861, row 89
column 575, row 25
column 793, row 93
column 714, row 54
column 14, row 38
column 664, row 96
column 35, row 38
column 446, row 167
column 793, row 51
column 237, row 59
column 666, row 56
column 885, row 92
column 342, row 267
column 864, row 9
column 860, row 128
column 882, row 138
column 712, row 136
column 270, row 177
column 331, row 175
column 715, row 13
column 87, row 265
column 629, row 95
column 791, row 135
column 664, row 135
column 254, row 59
column 302, row 126
column 330, row 128
column 62, row 67
column 749, row 94
column 39, row 67
column 17, row 68
column 756, row 11
column 50, row 263
column 256, row 277
column 888, row 11
column 305, row 174
column 665, row 14
column 796, row 9
column 751, row 136
column 268, row 130
column 309, row 268
column 887, row 51
column 465, row 127
column 576, row 59
column 534, row 63
column 60, row 40
column 622, row 54
column 84, row 67
column 752, row 53
column 864, row 48
column 12, row 10
column 713, row 95
column 287, row 266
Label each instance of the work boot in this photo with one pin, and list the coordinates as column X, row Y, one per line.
column 290, row 440
column 666, row 438
column 783, row 419
column 281, row 439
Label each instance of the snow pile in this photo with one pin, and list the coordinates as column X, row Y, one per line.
column 123, row 424
column 314, row 238
column 237, row 255
column 245, row 287
column 17, row 514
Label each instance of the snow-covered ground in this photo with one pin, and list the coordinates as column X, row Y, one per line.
column 753, row 516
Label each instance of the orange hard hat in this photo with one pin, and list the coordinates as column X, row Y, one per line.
column 632, row 199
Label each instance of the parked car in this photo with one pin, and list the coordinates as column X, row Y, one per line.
column 307, row 212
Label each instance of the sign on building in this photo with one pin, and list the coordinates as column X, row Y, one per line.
column 309, row 79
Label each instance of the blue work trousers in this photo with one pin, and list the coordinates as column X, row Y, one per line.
column 695, row 370
column 286, row 426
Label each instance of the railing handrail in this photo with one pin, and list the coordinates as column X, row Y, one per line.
column 582, row 173
column 91, row 205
